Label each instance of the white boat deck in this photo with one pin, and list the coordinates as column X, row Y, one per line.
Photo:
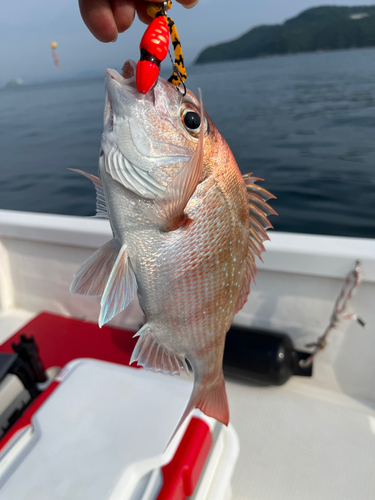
column 313, row 438
column 11, row 321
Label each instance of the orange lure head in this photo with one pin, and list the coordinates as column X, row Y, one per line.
column 154, row 48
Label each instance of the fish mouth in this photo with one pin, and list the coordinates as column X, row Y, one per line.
column 129, row 69
column 115, row 83
column 129, row 120
column 108, row 115
column 127, row 77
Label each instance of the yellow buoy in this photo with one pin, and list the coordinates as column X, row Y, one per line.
column 53, row 46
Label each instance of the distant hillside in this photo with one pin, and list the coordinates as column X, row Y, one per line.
column 319, row 28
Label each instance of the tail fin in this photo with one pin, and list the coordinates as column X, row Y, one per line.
column 211, row 400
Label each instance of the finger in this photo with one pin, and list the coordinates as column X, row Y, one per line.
column 142, row 11
column 188, row 4
column 123, row 12
column 142, row 8
column 98, row 17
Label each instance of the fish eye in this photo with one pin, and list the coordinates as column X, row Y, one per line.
column 192, row 121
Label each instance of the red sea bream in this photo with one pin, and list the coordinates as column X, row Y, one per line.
column 186, row 229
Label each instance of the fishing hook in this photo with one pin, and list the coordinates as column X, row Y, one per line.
column 176, row 70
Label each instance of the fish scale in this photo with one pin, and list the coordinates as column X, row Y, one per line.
column 186, row 229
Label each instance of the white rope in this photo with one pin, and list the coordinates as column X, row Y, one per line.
column 339, row 312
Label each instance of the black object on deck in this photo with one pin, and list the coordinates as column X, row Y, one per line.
column 28, row 352
column 6, row 362
column 262, row 356
column 25, row 364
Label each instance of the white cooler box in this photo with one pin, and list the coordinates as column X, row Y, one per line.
column 102, row 434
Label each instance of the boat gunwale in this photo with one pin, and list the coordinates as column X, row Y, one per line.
column 307, row 254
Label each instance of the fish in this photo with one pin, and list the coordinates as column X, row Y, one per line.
column 187, row 228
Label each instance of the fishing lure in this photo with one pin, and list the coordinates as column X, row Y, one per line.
column 56, row 62
column 154, row 48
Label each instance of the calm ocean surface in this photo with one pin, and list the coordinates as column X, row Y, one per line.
column 304, row 123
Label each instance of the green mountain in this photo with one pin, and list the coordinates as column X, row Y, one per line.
column 319, row 28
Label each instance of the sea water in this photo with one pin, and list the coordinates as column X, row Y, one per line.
column 304, row 123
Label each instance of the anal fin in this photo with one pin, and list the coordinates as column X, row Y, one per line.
column 150, row 354
column 120, row 289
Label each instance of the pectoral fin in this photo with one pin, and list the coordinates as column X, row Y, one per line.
column 91, row 278
column 169, row 210
column 120, row 289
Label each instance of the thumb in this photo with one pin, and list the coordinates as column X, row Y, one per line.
column 188, row 4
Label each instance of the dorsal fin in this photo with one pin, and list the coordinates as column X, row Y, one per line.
column 258, row 212
column 251, row 272
column 169, row 210
column 101, row 207
column 254, row 188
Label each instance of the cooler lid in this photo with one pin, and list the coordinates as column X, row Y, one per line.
column 104, row 426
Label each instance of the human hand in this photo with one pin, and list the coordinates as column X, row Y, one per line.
column 106, row 18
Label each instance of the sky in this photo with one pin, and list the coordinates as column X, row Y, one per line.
column 28, row 26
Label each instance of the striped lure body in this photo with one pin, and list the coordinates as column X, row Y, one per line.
column 154, row 48
column 178, row 56
column 186, row 229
